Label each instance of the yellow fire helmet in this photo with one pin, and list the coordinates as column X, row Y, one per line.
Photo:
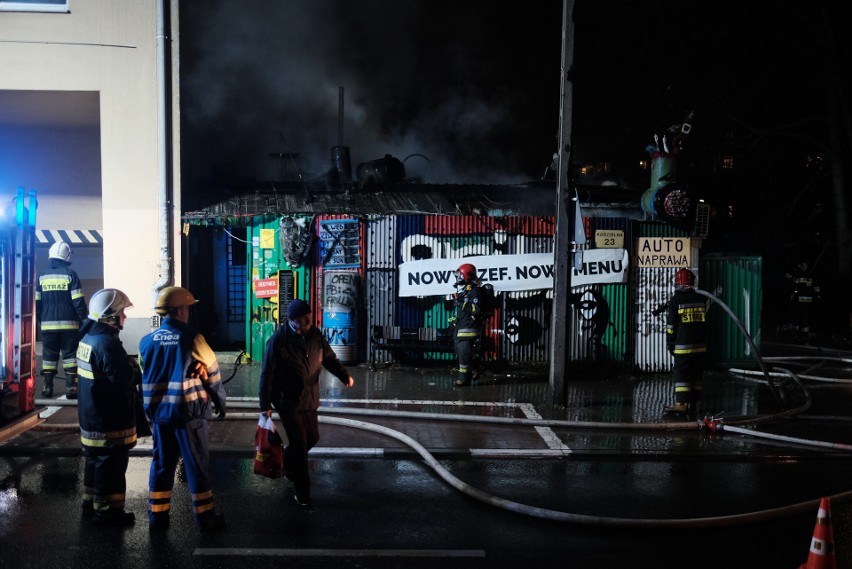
column 173, row 297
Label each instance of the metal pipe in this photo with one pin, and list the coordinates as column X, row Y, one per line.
column 163, row 189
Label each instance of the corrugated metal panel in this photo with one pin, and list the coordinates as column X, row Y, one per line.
column 610, row 317
column 519, row 329
column 263, row 263
column 381, row 278
column 613, row 320
column 325, row 265
column 736, row 281
column 651, row 288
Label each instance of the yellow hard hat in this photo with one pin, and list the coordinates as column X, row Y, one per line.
column 173, row 297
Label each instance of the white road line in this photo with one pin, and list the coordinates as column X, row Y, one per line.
column 528, row 410
column 247, row 552
column 546, row 433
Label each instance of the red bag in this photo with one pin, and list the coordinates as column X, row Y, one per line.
column 268, row 449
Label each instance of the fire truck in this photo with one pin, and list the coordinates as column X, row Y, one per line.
column 17, row 306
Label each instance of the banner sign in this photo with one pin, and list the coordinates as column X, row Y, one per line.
column 675, row 252
column 428, row 277
column 340, row 243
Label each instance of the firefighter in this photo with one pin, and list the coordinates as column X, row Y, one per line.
column 180, row 385
column 60, row 308
column 686, row 340
column 804, row 298
column 106, row 409
column 467, row 321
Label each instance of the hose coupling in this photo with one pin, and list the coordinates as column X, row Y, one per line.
column 712, row 423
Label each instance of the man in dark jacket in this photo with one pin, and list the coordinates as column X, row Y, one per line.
column 60, row 309
column 106, row 409
column 180, row 384
column 289, row 381
column 686, row 340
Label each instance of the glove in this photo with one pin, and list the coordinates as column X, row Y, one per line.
column 219, row 413
column 197, row 369
column 670, row 348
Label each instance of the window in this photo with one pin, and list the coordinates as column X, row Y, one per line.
column 237, row 275
column 34, row 6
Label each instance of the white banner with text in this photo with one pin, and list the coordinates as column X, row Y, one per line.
column 428, row 277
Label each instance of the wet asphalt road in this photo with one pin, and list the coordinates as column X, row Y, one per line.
column 606, row 498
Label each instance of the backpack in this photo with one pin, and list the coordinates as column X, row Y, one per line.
column 487, row 302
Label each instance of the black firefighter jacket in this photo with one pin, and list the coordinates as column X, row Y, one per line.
column 60, row 303
column 106, row 390
column 686, row 328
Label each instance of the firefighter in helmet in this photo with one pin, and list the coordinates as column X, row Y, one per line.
column 182, row 388
column 60, row 309
column 686, row 340
column 804, row 299
column 106, row 409
column 467, row 321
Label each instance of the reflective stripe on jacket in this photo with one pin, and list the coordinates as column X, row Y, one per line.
column 686, row 329
column 171, row 397
column 60, row 303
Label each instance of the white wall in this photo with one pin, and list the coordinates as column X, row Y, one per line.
column 107, row 48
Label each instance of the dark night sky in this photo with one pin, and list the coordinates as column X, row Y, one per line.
column 474, row 85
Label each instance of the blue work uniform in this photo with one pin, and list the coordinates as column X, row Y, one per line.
column 179, row 409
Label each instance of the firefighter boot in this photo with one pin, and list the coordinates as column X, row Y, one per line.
column 682, row 409
column 71, row 386
column 47, row 391
column 465, row 378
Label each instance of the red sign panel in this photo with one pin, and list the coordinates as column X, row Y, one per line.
column 266, row 288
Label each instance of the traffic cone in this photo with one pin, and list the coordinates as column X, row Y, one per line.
column 822, row 544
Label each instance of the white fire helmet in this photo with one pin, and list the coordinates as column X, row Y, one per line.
column 60, row 250
column 106, row 304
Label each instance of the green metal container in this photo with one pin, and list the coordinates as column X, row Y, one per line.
column 266, row 261
column 737, row 281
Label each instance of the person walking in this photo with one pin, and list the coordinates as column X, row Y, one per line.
column 289, row 381
column 468, row 320
column 180, row 384
column 60, row 309
column 106, row 409
column 686, row 340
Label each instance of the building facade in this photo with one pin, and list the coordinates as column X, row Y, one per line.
column 86, row 96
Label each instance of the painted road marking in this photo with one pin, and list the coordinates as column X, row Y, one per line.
column 527, row 410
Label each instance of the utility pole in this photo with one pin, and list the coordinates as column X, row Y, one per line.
column 565, row 208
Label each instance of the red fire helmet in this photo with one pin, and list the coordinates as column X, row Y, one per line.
column 684, row 277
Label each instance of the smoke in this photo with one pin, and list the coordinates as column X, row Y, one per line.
column 471, row 91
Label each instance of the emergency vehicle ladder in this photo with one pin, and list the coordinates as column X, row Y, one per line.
column 20, row 376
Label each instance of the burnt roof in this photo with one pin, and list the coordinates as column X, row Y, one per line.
column 536, row 198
